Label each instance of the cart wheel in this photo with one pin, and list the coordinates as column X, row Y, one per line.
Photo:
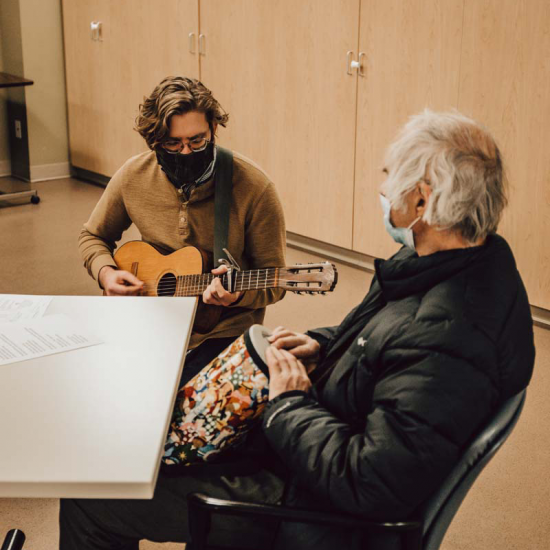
column 35, row 199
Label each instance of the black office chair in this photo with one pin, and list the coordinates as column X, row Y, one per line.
column 14, row 540
column 429, row 524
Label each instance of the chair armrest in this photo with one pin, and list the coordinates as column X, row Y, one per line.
column 238, row 508
column 201, row 507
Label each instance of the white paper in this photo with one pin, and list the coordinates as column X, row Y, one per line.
column 14, row 308
column 39, row 337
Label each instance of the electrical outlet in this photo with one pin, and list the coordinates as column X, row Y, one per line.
column 18, row 131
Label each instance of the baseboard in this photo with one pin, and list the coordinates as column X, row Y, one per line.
column 91, row 177
column 541, row 317
column 330, row 251
column 5, row 168
column 45, row 172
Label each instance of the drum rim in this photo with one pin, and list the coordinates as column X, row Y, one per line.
column 257, row 358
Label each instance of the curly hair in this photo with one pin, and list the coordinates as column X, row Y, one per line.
column 175, row 95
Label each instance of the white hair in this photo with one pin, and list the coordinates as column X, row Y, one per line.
column 460, row 161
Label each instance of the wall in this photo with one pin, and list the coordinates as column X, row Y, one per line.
column 11, row 61
column 32, row 46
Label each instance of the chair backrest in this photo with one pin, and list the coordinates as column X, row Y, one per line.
column 439, row 510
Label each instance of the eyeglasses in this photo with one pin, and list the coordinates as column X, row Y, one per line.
column 175, row 146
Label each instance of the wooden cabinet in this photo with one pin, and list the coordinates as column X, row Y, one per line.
column 109, row 72
column 411, row 60
column 318, row 126
column 504, row 81
column 87, row 86
column 279, row 69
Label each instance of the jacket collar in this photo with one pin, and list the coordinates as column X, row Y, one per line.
column 406, row 273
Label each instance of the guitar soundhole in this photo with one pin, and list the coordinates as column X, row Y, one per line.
column 167, row 285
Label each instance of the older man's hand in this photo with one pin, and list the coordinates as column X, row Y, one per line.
column 300, row 345
column 286, row 373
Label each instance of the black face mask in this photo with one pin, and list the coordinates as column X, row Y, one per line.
column 185, row 169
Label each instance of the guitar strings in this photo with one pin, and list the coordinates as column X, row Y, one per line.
column 206, row 281
column 241, row 275
column 197, row 291
column 194, row 284
column 260, row 278
column 194, row 288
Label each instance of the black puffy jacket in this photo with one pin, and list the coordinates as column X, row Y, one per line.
column 405, row 381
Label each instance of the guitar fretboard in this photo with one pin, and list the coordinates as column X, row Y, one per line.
column 195, row 285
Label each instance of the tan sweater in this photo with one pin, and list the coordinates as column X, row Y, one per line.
column 140, row 193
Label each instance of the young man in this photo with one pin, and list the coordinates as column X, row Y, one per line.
column 168, row 193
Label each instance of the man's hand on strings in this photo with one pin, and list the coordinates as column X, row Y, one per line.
column 215, row 294
column 119, row 283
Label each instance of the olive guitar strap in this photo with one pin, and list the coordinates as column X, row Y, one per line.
column 223, row 185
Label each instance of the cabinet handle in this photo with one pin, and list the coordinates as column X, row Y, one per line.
column 361, row 68
column 352, row 64
column 349, row 62
column 192, row 42
column 202, row 43
column 95, row 27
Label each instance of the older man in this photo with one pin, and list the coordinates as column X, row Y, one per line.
column 442, row 338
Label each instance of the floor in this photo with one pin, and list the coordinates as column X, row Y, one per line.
column 509, row 506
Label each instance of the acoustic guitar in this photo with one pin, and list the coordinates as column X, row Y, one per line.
column 181, row 273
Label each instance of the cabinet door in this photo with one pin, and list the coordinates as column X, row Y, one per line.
column 279, row 69
column 141, row 43
column 504, row 84
column 150, row 41
column 87, row 86
column 411, row 61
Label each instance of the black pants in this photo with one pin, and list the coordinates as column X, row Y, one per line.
column 196, row 359
column 87, row 524
column 120, row 524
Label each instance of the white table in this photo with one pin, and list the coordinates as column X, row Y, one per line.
column 91, row 423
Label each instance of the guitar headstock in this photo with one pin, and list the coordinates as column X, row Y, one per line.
column 308, row 278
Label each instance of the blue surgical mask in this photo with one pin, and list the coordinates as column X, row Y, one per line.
column 401, row 235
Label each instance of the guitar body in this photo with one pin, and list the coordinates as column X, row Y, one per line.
column 159, row 273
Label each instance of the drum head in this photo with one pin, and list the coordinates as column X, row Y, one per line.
column 255, row 339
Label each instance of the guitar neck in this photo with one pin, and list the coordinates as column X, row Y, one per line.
column 195, row 285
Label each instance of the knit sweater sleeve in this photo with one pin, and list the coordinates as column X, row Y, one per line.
column 265, row 243
column 107, row 222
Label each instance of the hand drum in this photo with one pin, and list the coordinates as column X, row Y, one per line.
column 217, row 408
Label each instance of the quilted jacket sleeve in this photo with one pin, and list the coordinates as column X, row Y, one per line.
column 425, row 408
column 323, row 335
